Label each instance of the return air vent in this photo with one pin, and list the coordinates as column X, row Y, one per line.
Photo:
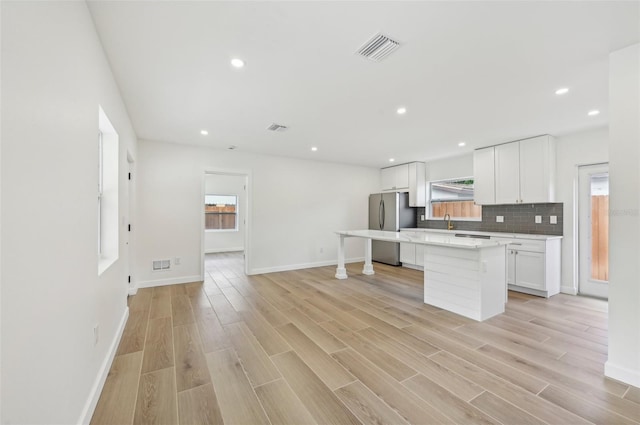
column 277, row 127
column 158, row 265
column 378, row 48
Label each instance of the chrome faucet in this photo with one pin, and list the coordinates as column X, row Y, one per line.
column 447, row 218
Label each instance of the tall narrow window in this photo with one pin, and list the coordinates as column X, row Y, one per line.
column 107, row 192
column 100, row 185
column 221, row 212
column 454, row 197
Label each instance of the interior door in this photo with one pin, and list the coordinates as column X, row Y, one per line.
column 593, row 224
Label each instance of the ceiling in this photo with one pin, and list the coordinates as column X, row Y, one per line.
column 478, row 72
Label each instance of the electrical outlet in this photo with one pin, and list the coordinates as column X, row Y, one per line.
column 177, row 261
column 422, row 217
column 538, row 219
column 553, row 219
column 96, row 334
column 499, row 219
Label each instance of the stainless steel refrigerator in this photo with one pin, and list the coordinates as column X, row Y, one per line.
column 390, row 212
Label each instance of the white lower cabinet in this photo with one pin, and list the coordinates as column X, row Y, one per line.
column 526, row 269
column 533, row 267
column 408, row 253
column 412, row 255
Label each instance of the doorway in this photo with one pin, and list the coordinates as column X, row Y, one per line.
column 593, row 224
column 128, row 244
column 225, row 222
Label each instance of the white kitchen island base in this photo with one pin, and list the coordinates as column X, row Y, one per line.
column 468, row 282
column 463, row 275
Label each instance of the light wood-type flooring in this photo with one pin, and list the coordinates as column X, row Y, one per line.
column 302, row 347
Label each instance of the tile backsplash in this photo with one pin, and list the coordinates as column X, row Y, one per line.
column 517, row 219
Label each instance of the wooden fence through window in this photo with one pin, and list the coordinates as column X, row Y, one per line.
column 459, row 209
column 220, row 217
column 600, row 237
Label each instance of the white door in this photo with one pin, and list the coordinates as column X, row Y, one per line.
column 593, row 223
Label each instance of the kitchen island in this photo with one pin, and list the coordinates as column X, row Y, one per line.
column 466, row 276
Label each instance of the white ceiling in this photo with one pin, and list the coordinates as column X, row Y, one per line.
column 480, row 72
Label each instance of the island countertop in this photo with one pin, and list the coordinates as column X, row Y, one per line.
column 424, row 238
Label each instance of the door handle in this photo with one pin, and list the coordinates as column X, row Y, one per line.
column 384, row 214
column 380, row 214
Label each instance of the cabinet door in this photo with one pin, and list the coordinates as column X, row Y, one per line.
column 508, row 173
column 530, row 270
column 417, row 184
column 402, row 176
column 484, row 189
column 511, row 266
column 407, row 253
column 388, row 178
column 420, row 255
column 535, row 170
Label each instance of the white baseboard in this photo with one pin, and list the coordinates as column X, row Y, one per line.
column 302, row 266
column 623, row 374
column 169, row 281
column 413, row 266
column 217, row 250
column 568, row 290
column 96, row 390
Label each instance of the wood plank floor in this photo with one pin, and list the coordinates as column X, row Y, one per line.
column 301, row 347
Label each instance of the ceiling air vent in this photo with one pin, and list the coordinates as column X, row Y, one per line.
column 378, row 48
column 277, row 127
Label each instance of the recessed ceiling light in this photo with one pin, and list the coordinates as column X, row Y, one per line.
column 593, row 113
column 204, row 132
column 237, row 63
column 314, row 149
column 391, row 159
column 461, row 144
column 401, row 110
column 561, row 91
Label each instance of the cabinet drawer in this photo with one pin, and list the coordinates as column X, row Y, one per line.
column 526, row 245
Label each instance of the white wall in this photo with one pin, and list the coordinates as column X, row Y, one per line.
column 624, row 211
column 226, row 240
column 573, row 150
column 294, row 208
column 54, row 76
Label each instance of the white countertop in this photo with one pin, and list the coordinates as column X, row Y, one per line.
column 424, row 238
column 475, row 232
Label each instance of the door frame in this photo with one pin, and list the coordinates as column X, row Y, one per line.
column 247, row 216
column 586, row 285
column 129, row 243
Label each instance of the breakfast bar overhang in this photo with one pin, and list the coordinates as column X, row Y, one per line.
column 466, row 276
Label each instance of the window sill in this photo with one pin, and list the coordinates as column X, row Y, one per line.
column 104, row 263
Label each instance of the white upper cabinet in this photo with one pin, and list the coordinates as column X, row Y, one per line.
column 537, row 170
column 508, row 173
column 402, row 176
column 395, row 178
column 406, row 178
column 523, row 172
column 388, row 178
column 484, row 188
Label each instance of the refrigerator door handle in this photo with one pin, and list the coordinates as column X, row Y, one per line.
column 384, row 215
column 380, row 218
